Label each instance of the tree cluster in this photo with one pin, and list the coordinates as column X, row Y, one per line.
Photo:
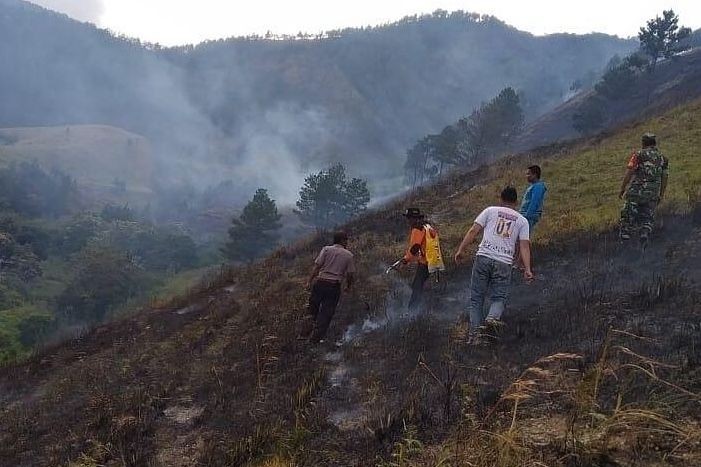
column 30, row 191
column 661, row 38
column 327, row 198
column 472, row 140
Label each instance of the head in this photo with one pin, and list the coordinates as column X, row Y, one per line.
column 414, row 217
column 649, row 140
column 533, row 173
column 509, row 196
column 340, row 238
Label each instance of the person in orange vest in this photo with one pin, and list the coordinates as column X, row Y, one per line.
column 416, row 253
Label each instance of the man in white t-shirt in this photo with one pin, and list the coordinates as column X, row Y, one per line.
column 503, row 228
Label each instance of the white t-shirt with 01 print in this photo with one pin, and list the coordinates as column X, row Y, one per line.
column 502, row 229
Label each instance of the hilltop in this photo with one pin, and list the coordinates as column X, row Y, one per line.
column 598, row 364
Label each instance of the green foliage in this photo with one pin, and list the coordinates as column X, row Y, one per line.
column 18, row 263
column 17, row 326
column 417, row 160
column 617, row 82
column 590, row 117
column 492, row 126
column 153, row 248
column 104, row 279
column 34, row 329
column 111, row 212
column 78, row 232
column 328, row 198
column 255, row 231
column 10, row 297
column 662, row 37
column 30, row 191
column 472, row 140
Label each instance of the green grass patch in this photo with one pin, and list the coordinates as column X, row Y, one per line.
column 583, row 183
column 13, row 331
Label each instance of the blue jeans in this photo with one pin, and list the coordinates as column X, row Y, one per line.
column 488, row 275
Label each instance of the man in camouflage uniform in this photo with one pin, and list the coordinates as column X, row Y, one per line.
column 647, row 176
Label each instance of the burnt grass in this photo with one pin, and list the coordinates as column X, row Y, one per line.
column 220, row 378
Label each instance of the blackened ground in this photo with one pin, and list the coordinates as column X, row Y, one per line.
column 410, row 370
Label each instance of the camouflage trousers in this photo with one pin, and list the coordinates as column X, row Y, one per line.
column 638, row 215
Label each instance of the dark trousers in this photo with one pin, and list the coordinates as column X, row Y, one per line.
column 322, row 306
column 417, row 286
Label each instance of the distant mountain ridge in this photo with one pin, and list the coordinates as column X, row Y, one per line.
column 361, row 96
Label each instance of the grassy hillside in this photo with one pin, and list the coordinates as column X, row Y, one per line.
column 218, row 377
column 96, row 156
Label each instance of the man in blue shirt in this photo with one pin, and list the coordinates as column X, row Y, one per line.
column 532, row 205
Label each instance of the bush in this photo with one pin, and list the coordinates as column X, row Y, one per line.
column 34, row 329
column 104, row 279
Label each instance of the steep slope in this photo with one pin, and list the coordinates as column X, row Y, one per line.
column 219, row 377
column 299, row 104
column 674, row 82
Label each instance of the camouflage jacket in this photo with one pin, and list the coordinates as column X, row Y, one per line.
column 649, row 166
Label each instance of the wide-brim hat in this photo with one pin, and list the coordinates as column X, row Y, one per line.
column 413, row 213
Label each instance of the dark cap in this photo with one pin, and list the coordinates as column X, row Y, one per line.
column 649, row 139
column 413, row 213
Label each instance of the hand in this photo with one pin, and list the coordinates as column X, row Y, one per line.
column 528, row 275
column 621, row 194
column 309, row 284
column 458, row 257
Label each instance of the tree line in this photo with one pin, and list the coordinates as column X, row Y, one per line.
column 660, row 39
column 471, row 140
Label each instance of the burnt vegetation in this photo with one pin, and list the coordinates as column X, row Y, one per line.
column 598, row 365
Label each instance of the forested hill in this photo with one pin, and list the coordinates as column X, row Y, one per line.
column 356, row 95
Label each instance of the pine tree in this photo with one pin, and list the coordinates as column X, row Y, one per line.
column 328, row 198
column 254, row 232
column 662, row 37
column 493, row 126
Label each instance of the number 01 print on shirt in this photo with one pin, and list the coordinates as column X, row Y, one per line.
column 504, row 227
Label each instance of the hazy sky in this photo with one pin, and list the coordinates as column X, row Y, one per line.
column 172, row 22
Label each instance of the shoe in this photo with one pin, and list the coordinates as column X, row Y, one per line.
column 474, row 340
column 491, row 330
column 494, row 326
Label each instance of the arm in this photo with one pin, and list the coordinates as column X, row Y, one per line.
column 312, row 276
column 470, row 236
column 663, row 187
column 537, row 195
column 524, row 247
column 632, row 165
column 350, row 280
column 626, row 180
